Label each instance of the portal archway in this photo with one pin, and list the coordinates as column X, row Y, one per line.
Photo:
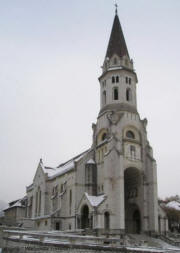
column 132, row 187
column 85, row 217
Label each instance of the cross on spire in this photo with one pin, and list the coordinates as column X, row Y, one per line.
column 116, row 6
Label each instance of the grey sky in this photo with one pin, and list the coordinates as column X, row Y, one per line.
column 50, row 58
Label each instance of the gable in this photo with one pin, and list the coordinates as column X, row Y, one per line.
column 92, row 202
column 39, row 175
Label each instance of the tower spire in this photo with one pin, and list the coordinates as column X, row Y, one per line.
column 117, row 43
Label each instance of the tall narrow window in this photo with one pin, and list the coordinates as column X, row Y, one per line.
column 126, row 79
column 36, row 209
column 102, row 154
column 106, row 220
column 115, row 61
column 104, row 97
column 70, row 201
column 88, row 175
column 113, row 79
column 115, row 94
column 133, row 151
column 39, row 206
column 117, row 79
column 128, row 95
column 99, row 156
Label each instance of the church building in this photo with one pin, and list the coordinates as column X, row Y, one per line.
column 111, row 188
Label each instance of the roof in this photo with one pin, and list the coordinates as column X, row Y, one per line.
column 29, row 187
column 17, row 203
column 95, row 200
column 13, row 202
column 62, row 168
column 91, row 161
column 117, row 43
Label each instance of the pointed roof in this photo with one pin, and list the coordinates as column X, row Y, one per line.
column 117, row 43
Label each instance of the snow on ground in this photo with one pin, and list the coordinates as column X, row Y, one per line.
column 146, row 249
column 165, row 245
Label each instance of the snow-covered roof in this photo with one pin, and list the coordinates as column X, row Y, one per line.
column 18, row 203
column 91, row 161
column 62, row 168
column 29, row 187
column 174, row 204
column 95, row 200
column 57, row 171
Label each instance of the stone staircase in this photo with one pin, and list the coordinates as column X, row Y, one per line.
column 147, row 241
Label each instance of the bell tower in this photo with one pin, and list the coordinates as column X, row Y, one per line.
column 126, row 168
column 118, row 80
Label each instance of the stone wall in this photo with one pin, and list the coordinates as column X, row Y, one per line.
column 2, row 228
column 16, row 246
column 33, row 241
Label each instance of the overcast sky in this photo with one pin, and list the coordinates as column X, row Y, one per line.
column 51, row 52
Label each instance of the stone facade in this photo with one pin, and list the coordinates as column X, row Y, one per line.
column 15, row 213
column 112, row 187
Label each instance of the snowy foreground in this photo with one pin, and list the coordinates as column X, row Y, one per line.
column 136, row 243
column 65, row 240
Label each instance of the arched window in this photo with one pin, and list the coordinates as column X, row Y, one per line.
column 117, row 79
column 104, row 98
column 113, row 79
column 106, row 220
column 115, row 93
column 130, row 135
column 104, row 136
column 128, row 95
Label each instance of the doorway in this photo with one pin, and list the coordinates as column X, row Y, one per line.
column 85, row 217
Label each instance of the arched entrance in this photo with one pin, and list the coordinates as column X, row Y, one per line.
column 132, row 191
column 85, row 217
column 106, row 220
